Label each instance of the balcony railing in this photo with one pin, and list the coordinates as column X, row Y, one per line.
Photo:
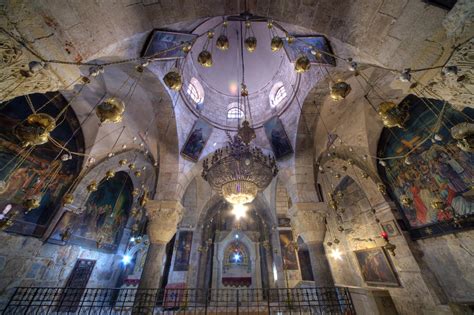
column 316, row 300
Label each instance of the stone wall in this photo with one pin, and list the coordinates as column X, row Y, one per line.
column 27, row 261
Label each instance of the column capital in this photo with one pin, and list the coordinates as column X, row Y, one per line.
column 163, row 219
column 308, row 221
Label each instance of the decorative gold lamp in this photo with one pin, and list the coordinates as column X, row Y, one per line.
column 35, row 129
column 173, row 80
column 302, row 64
column 340, row 90
column 111, row 110
column 392, row 115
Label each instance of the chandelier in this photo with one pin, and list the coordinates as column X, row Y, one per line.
column 239, row 171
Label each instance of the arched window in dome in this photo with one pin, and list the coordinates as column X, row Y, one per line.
column 277, row 94
column 195, row 91
column 234, row 112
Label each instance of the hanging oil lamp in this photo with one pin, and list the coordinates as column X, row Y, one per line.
column 393, row 115
column 111, row 110
column 92, row 186
column 109, row 174
column 68, row 199
column 302, row 64
column 173, row 80
column 35, row 129
column 340, row 90
column 31, row 203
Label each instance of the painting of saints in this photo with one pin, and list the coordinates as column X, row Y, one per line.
column 29, row 175
column 375, row 267
column 197, row 140
column 290, row 260
column 277, row 137
column 106, row 214
column 183, row 251
column 439, row 180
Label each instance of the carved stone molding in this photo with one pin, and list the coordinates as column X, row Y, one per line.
column 15, row 78
column 457, row 89
column 164, row 216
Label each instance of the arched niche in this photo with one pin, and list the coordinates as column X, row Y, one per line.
column 35, row 175
column 104, row 217
column 229, row 273
column 436, row 182
column 79, row 210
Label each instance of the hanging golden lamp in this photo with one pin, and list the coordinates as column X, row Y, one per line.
column 135, row 192
column 405, row 200
column 143, row 199
column 138, row 173
column 437, row 203
column 276, row 43
column 187, row 47
column 382, row 188
column 222, row 42
column 392, row 115
column 205, row 59
column 251, row 43
column 68, row 199
column 302, row 64
column 131, row 166
column 123, row 162
column 109, row 174
column 110, row 110
column 173, row 80
column 464, row 134
column 31, row 203
column 35, row 129
column 340, row 90
column 92, row 186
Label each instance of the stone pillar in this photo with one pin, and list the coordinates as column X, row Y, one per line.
column 163, row 218
column 308, row 221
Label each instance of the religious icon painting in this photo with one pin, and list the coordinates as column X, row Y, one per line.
column 277, row 137
column 183, row 251
column 375, row 267
column 288, row 251
column 164, row 45
column 434, row 191
column 197, row 140
column 315, row 47
column 390, row 228
column 106, row 213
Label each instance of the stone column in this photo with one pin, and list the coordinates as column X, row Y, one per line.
column 308, row 221
column 163, row 218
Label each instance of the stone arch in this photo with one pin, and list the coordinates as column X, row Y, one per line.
column 97, row 172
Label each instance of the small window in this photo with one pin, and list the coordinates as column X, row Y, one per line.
column 234, row 112
column 277, row 94
column 195, row 91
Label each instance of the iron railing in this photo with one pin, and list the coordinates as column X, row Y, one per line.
column 316, row 300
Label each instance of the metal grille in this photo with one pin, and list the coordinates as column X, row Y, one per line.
column 317, row 300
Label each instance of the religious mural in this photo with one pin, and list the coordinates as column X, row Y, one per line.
column 166, row 45
column 303, row 45
column 197, row 140
column 438, row 170
column 277, row 137
column 288, row 250
column 33, row 176
column 375, row 267
column 183, row 251
column 105, row 216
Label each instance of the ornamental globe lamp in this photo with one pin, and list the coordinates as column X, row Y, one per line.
column 35, row 129
column 111, row 110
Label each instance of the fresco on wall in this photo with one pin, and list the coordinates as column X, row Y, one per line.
column 303, row 45
column 27, row 178
column 375, row 267
column 183, row 251
column 162, row 45
column 197, row 140
column 288, row 252
column 439, row 170
column 105, row 216
column 277, row 137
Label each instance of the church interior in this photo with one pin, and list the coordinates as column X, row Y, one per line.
column 237, row 156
